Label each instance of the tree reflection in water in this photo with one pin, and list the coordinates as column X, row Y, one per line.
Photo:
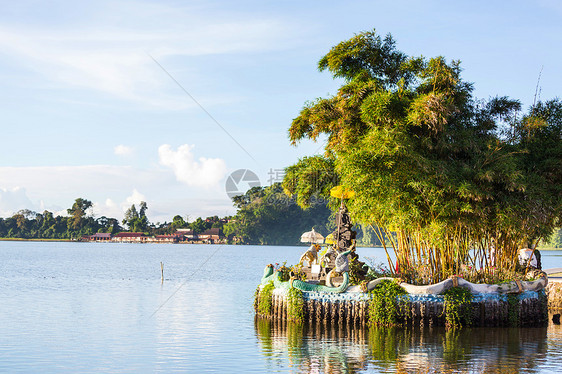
column 325, row 349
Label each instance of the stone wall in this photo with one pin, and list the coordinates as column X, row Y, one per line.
column 554, row 293
column 528, row 308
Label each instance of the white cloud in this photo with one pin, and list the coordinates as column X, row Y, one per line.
column 135, row 198
column 123, row 150
column 112, row 189
column 207, row 172
column 110, row 55
column 58, row 186
column 108, row 208
column 110, row 204
column 76, row 181
column 12, row 200
column 164, row 210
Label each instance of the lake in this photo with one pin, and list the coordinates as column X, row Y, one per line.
column 95, row 307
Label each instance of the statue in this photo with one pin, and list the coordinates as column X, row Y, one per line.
column 344, row 234
column 342, row 267
column 328, row 258
column 311, row 255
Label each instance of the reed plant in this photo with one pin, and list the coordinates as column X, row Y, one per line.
column 424, row 259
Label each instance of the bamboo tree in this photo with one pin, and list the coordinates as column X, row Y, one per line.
column 434, row 169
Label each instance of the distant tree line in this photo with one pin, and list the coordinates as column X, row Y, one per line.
column 27, row 224
column 266, row 215
column 555, row 240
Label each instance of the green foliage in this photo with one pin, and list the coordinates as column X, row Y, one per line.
column 110, row 225
column 137, row 221
column 256, row 297
column 309, row 179
column 27, row 224
column 284, row 272
column 264, row 299
column 358, row 272
column 377, row 269
column 538, row 137
column 295, row 271
column 78, row 212
column 295, row 311
column 366, row 236
column 446, row 172
column 368, row 56
column 178, row 222
column 457, row 307
column 555, row 239
column 356, row 275
column 492, row 275
column 199, row 225
column 513, row 307
column 267, row 216
column 384, row 308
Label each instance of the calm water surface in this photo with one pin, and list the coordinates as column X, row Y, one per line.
column 89, row 307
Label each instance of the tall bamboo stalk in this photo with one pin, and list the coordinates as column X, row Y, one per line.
column 445, row 254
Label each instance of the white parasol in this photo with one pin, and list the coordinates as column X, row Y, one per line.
column 312, row 237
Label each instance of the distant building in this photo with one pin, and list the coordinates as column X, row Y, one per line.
column 99, row 237
column 167, row 238
column 210, row 235
column 130, row 237
column 180, row 236
column 187, row 234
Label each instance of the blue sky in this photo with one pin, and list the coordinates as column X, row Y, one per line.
column 87, row 112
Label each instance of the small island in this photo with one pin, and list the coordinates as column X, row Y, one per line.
column 462, row 189
column 335, row 287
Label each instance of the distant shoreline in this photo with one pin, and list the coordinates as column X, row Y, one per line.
column 77, row 241
column 549, row 249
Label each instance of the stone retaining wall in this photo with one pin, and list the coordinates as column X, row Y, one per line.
column 528, row 308
column 554, row 293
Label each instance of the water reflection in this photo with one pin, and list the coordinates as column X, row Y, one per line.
column 324, row 349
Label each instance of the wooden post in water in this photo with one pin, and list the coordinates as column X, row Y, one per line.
column 162, row 270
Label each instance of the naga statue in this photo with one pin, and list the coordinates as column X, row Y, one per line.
column 334, row 263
